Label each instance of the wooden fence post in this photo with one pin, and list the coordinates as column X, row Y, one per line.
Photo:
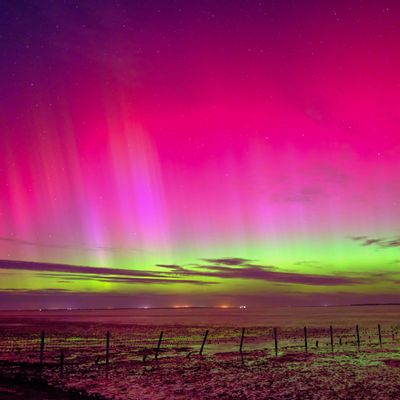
column 204, row 342
column 276, row 341
column 108, row 348
column 62, row 360
column 380, row 335
column 41, row 356
column 159, row 344
column 241, row 346
column 358, row 337
column 331, row 332
column 305, row 339
column 241, row 341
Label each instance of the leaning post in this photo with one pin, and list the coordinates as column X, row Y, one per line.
column 204, row 342
column 159, row 344
column 241, row 341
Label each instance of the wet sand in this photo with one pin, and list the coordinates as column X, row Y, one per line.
column 17, row 389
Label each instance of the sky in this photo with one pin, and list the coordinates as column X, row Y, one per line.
column 208, row 153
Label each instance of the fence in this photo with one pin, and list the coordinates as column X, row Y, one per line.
column 74, row 345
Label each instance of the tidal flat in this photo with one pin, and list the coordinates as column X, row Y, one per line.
column 121, row 354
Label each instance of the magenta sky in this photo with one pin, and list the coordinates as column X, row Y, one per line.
column 141, row 138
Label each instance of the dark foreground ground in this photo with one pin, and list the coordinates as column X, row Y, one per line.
column 363, row 375
column 363, row 366
column 18, row 388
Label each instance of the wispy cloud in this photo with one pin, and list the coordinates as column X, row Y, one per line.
column 306, row 194
column 228, row 260
column 23, row 242
column 97, row 273
column 244, row 270
column 382, row 242
column 308, row 262
column 44, row 291
column 67, row 278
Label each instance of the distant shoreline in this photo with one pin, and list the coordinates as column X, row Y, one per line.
column 199, row 307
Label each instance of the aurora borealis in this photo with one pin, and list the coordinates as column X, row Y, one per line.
column 199, row 153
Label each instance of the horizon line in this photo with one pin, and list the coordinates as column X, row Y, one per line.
column 242, row 307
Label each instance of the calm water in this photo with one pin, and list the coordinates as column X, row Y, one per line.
column 276, row 316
